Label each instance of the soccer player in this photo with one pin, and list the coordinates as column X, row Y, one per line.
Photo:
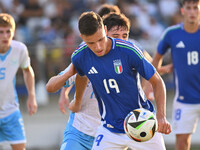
column 118, row 26
column 13, row 55
column 183, row 39
column 81, row 127
column 112, row 66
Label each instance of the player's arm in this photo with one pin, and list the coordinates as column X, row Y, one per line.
column 165, row 69
column 58, row 81
column 157, row 60
column 146, row 86
column 147, row 56
column 29, row 79
column 160, row 98
column 64, row 99
column 80, row 83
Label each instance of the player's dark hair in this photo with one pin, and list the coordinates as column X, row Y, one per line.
column 188, row 1
column 89, row 23
column 114, row 19
column 107, row 8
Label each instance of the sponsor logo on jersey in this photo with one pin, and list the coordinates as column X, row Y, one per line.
column 118, row 66
column 180, row 45
column 92, row 71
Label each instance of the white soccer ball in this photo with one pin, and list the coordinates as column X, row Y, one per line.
column 140, row 125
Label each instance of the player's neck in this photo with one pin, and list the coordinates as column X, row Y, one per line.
column 109, row 45
column 191, row 28
column 3, row 50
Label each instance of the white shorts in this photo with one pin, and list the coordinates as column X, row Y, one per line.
column 106, row 140
column 185, row 117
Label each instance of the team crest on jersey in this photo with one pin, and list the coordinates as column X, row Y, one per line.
column 118, row 66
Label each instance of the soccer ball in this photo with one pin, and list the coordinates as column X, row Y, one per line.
column 140, row 125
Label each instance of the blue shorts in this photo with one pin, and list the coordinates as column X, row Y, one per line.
column 75, row 140
column 12, row 129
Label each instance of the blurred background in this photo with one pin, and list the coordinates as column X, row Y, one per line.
column 49, row 28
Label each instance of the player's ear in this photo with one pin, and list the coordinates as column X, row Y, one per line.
column 182, row 11
column 81, row 36
column 105, row 28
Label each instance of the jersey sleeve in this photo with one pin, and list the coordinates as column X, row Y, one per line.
column 78, row 61
column 148, row 70
column 164, row 43
column 25, row 59
column 141, row 64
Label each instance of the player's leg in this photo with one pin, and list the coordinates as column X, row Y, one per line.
column 18, row 146
column 183, row 141
column 105, row 139
column 185, row 118
column 12, row 131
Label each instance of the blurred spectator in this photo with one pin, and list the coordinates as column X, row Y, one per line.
column 70, row 42
column 31, row 17
column 15, row 9
column 156, row 27
column 48, row 33
column 50, row 8
column 167, row 9
column 6, row 4
column 135, row 31
column 2, row 8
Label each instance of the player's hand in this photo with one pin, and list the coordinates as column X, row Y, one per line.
column 32, row 105
column 74, row 106
column 163, row 125
column 165, row 69
column 63, row 104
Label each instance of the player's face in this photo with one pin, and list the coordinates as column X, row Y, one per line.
column 119, row 32
column 191, row 12
column 98, row 42
column 6, row 35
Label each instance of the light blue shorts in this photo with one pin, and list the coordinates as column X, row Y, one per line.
column 12, row 129
column 74, row 139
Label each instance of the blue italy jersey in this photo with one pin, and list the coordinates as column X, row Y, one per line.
column 115, row 80
column 185, row 50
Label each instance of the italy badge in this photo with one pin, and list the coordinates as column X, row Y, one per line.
column 118, row 66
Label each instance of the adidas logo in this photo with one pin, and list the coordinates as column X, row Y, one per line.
column 93, row 71
column 180, row 45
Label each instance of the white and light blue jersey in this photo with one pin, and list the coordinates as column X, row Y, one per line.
column 115, row 80
column 88, row 118
column 185, row 51
column 16, row 57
